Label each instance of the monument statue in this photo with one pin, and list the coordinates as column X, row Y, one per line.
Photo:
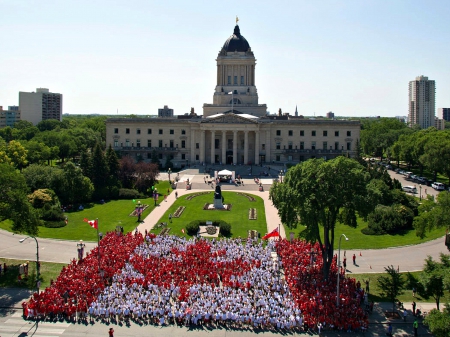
column 218, row 199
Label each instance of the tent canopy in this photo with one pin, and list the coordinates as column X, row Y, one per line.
column 224, row 173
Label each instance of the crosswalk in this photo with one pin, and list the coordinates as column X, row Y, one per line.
column 15, row 326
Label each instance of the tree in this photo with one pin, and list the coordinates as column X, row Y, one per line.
column 14, row 204
column 154, row 159
column 439, row 322
column 41, row 177
column 435, row 277
column 391, row 285
column 113, row 171
column 75, row 187
column 17, row 153
column 321, row 193
column 145, row 176
column 433, row 215
column 126, row 171
column 99, row 173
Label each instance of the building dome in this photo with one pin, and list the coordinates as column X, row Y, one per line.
column 236, row 42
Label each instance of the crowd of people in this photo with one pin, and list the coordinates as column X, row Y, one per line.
column 173, row 280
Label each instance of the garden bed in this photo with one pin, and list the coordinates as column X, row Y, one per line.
column 252, row 214
column 178, row 212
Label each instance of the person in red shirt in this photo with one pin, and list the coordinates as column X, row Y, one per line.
column 111, row 332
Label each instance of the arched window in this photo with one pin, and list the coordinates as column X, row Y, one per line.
column 235, row 101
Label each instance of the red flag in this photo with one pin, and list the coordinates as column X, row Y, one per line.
column 92, row 223
column 272, row 234
column 182, row 230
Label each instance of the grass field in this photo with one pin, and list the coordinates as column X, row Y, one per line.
column 358, row 240
column 48, row 271
column 237, row 217
column 110, row 214
column 407, row 297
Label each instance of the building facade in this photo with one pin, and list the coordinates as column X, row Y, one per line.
column 9, row 117
column 444, row 113
column 235, row 128
column 422, row 100
column 40, row 105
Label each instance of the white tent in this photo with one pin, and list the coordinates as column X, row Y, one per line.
column 224, row 173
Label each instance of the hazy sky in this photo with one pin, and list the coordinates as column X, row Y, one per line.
column 354, row 58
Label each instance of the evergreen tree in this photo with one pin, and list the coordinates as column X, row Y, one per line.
column 99, row 173
column 155, row 159
column 86, row 164
column 113, row 172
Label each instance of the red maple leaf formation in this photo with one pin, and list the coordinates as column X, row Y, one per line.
column 199, row 279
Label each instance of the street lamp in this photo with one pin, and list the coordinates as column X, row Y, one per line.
column 339, row 268
column 169, row 171
column 38, row 272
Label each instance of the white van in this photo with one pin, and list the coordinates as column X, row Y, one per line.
column 409, row 189
column 438, row 186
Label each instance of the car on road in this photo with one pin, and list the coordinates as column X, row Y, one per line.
column 438, row 186
column 409, row 189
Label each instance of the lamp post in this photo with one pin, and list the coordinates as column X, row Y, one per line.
column 232, row 99
column 38, row 268
column 339, row 268
column 281, row 176
column 169, row 171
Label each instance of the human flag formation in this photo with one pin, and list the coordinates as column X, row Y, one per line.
column 272, row 234
column 92, row 223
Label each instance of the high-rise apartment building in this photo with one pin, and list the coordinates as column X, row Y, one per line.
column 444, row 113
column 422, row 102
column 40, row 105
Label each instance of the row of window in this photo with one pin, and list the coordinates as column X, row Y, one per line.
column 325, row 146
column 149, row 131
column 314, row 133
column 149, row 143
column 235, row 78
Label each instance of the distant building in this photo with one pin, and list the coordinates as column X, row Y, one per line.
column 422, row 98
column 330, row 115
column 234, row 129
column 40, row 105
column 444, row 113
column 165, row 112
column 9, row 117
column 439, row 123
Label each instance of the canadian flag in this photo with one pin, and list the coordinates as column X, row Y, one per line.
column 92, row 223
column 272, row 234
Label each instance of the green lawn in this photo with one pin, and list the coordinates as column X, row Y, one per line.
column 357, row 240
column 49, row 271
column 110, row 214
column 237, row 216
column 406, row 297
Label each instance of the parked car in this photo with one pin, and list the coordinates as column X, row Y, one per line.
column 409, row 189
column 438, row 186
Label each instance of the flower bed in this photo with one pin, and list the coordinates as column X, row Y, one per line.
column 135, row 211
column 192, row 196
column 178, row 212
column 252, row 214
column 248, row 196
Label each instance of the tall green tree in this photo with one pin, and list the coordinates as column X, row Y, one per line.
column 319, row 194
column 433, row 214
column 14, row 204
column 75, row 187
column 392, row 285
column 42, row 177
column 99, row 173
column 439, row 322
column 113, row 172
column 435, row 277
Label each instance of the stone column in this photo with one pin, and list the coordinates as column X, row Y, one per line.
column 257, row 147
column 245, row 147
column 202, row 146
column 213, row 136
column 224, row 147
column 268, row 159
column 234, row 147
column 192, row 146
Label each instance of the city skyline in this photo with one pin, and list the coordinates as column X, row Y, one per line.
column 351, row 58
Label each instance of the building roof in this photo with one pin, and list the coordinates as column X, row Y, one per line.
column 236, row 42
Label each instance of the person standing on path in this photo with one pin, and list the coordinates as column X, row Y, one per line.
column 354, row 259
column 111, row 332
column 415, row 327
column 414, row 308
column 344, row 263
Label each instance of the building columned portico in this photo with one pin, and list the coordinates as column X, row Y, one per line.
column 235, row 128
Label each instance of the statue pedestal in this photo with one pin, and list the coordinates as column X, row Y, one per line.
column 218, row 203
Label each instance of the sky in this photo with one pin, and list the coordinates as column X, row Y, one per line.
column 352, row 57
